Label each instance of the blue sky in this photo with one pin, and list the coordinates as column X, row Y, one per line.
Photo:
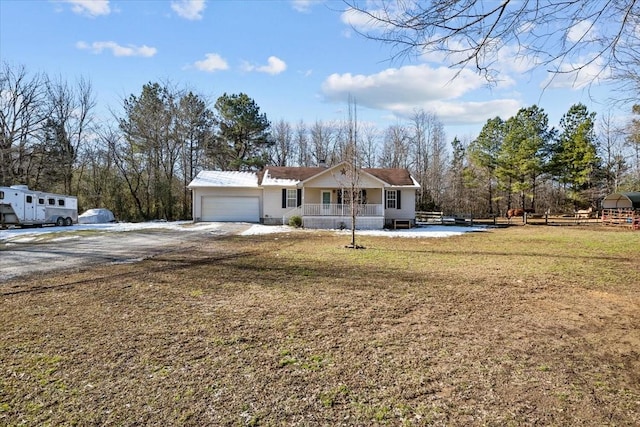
column 299, row 60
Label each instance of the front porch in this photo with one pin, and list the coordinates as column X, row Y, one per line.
column 338, row 216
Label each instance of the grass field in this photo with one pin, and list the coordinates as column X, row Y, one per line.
column 519, row 326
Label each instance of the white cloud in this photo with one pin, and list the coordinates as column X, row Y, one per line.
column 412, row 82
column 366, row 22
column 189, row 9
column 581, row 31
column 303, row 6
column 118, row 50
column 466, row 112
column 89, row 7
column 212, row 62
column 577, row 75
column 402, row 90
column 274, row 66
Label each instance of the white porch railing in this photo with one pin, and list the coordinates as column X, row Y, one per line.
column 333, row 209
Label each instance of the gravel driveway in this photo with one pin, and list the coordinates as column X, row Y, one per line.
column 71, row 248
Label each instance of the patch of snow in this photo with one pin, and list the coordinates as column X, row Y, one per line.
column 64, row 238
column 24, row 235
column 258, row 229
column 418, row 232
column 25, row 239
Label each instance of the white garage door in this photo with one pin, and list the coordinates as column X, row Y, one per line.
column 234, row 209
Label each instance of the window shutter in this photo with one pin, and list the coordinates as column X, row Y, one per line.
column 398, row 199
column 299, row 197
column 340, row 196
column 284, row 198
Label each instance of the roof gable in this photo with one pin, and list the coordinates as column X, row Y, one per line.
column 329, row 170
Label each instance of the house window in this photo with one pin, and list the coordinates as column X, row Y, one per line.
column 292, row 198
column 391, row 199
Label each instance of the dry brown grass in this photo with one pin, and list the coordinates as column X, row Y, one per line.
column 521, row 326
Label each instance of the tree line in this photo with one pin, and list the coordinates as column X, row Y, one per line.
column 139, row 161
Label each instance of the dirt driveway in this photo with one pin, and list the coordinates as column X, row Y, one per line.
column 73, row 249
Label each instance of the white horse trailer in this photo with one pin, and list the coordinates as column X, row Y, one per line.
column 21, row 206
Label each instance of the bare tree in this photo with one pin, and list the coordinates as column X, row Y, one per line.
column 23, row 112
column 633, row 140
column 71, row 120
column 428, row 156
column 351, row 171
column 101, row 185
column 395, row 147
column 563, row 36
column 322, row 142
column 369, row 147
column 301, row 142
column 612, row 152
column 281, row 152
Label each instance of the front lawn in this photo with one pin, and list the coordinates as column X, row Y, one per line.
column 522, row 326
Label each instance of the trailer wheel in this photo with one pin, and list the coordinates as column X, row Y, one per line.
column 68, row 222
column 59, row 222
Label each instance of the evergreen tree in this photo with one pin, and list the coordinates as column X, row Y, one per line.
column 574, row 156
column 522, row 157
column 243, row 137
column 194, row 131
column 484, row 152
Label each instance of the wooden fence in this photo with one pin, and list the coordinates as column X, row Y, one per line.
column 622, row 218
column 532, row 219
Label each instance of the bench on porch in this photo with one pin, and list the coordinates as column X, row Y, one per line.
column 401, row 223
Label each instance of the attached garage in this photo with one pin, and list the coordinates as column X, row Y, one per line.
column 226, row 196
column 230, row 209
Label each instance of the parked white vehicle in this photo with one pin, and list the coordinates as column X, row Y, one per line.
column 21, row 206
column 96, row 216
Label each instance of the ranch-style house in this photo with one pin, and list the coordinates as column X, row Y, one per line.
column 385, row 197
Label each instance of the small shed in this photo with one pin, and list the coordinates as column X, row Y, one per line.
column 622, row 209
column 622, row 201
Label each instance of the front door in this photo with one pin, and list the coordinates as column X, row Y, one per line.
column 326, row 198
